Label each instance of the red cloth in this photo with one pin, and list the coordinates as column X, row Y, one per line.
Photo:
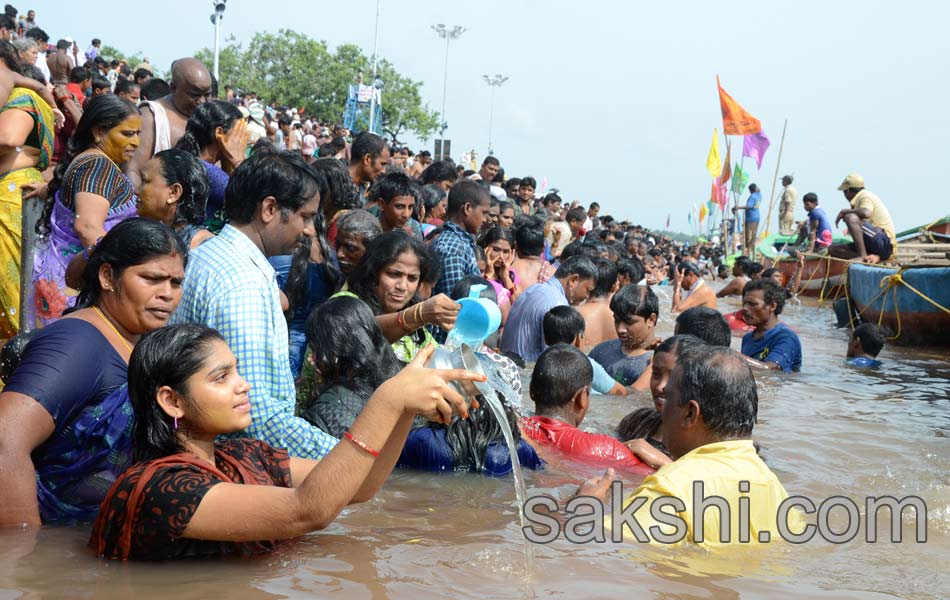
column 737, row 322
column 591, row 448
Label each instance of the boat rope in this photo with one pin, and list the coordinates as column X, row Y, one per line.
column 891, row 283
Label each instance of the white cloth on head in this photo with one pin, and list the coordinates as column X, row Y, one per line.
column 163, row 130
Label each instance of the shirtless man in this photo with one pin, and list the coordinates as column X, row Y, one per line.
column 164, row 120
column 59, row 64
column 689, row 289
column 739, row 279
column 598, row 318
column 529, row 247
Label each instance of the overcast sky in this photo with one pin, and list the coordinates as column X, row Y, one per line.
column 616, row 101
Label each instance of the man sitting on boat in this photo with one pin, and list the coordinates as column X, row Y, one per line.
column 772, row 344
column 869, row 224
column 816, row 228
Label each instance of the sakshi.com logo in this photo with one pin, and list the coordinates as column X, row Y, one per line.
column 585, row 519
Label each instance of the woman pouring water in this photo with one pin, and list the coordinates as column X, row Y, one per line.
column 189, row 495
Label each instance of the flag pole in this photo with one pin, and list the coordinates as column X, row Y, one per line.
column 778, row 164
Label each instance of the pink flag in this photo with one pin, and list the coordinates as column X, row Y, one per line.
column 754, row 146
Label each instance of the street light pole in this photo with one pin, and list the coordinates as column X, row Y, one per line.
column 494, row 82
column 448, row 35
column 219, row 6
column 376, row 81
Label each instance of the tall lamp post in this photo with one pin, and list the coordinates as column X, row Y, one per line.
column 494, row 82
column 448, row 35
column 219, row 6
column 377, row 82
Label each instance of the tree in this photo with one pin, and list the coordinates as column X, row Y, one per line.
column 295, row 70
column 110, row 53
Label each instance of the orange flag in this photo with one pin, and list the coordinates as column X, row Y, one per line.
column 735, row 119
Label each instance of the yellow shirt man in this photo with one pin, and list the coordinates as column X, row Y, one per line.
column 880, row 217
column 720, row 467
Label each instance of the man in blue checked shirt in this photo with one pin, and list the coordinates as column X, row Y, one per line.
column 466, row 212
column 271, row 201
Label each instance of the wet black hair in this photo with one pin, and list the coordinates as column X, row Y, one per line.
column 131, row 243
column 632, row 268
column 390, row 186
column 189, row 172
column 366, row 143
column 341, row 194
column 561, row 370
column 167, row 356
column 561, row 325
column 606, row 277
column 871, row 338
column 381, row 252
column 431, row 196
column 721, row 382
column 438, row 171
column 705, row 323
column 771, row 292
column 581, row 266
column 634, row 301
column 348, row 347
column 204, row 122
column 529, row 237
column 101, row 113
column 285, row 176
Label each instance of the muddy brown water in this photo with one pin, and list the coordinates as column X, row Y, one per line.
column 830, row 430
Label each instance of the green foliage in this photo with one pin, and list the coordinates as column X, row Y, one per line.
column 110, row 53
column 296, row 70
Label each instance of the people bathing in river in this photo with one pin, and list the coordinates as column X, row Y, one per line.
column 636, row 309
column 560, row 390
column 641, row 429
column 771, row 344
column 690, row 289
column 190, row 495
column 739, row 278
column 869, row 224
column 571, row 284
column 389, row 278
column 867, row 341
column 709, row 410
column 65, row 423
column 706, row 324
column 565, row 325
column 598, row 318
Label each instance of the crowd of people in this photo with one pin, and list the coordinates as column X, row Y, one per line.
column 190, row 272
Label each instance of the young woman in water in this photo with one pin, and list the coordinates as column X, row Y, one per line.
column 191, row 495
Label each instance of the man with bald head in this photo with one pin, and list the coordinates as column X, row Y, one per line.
column 164, row 120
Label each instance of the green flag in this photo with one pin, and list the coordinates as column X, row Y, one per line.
column 739, row 180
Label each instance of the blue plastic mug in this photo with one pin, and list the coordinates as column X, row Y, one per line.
column 477, row 319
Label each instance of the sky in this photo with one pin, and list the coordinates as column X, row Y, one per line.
column 616, row 101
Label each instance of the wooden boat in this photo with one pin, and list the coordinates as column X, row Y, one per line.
column 920, row 317
column 821, row 276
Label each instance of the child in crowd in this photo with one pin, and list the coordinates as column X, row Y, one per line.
column 565, row 325
column 560, row 389
column 641, row 428
column 635, row 309
column 865, row 344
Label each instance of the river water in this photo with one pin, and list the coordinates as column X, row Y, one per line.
column 830, row 430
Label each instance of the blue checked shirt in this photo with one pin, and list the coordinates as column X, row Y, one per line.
column 457, row 251
column 230, row 286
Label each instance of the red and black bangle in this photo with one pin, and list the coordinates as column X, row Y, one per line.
column 361, row 444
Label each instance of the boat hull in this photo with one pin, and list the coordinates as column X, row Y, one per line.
column 914, row 320
column 820, row 276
